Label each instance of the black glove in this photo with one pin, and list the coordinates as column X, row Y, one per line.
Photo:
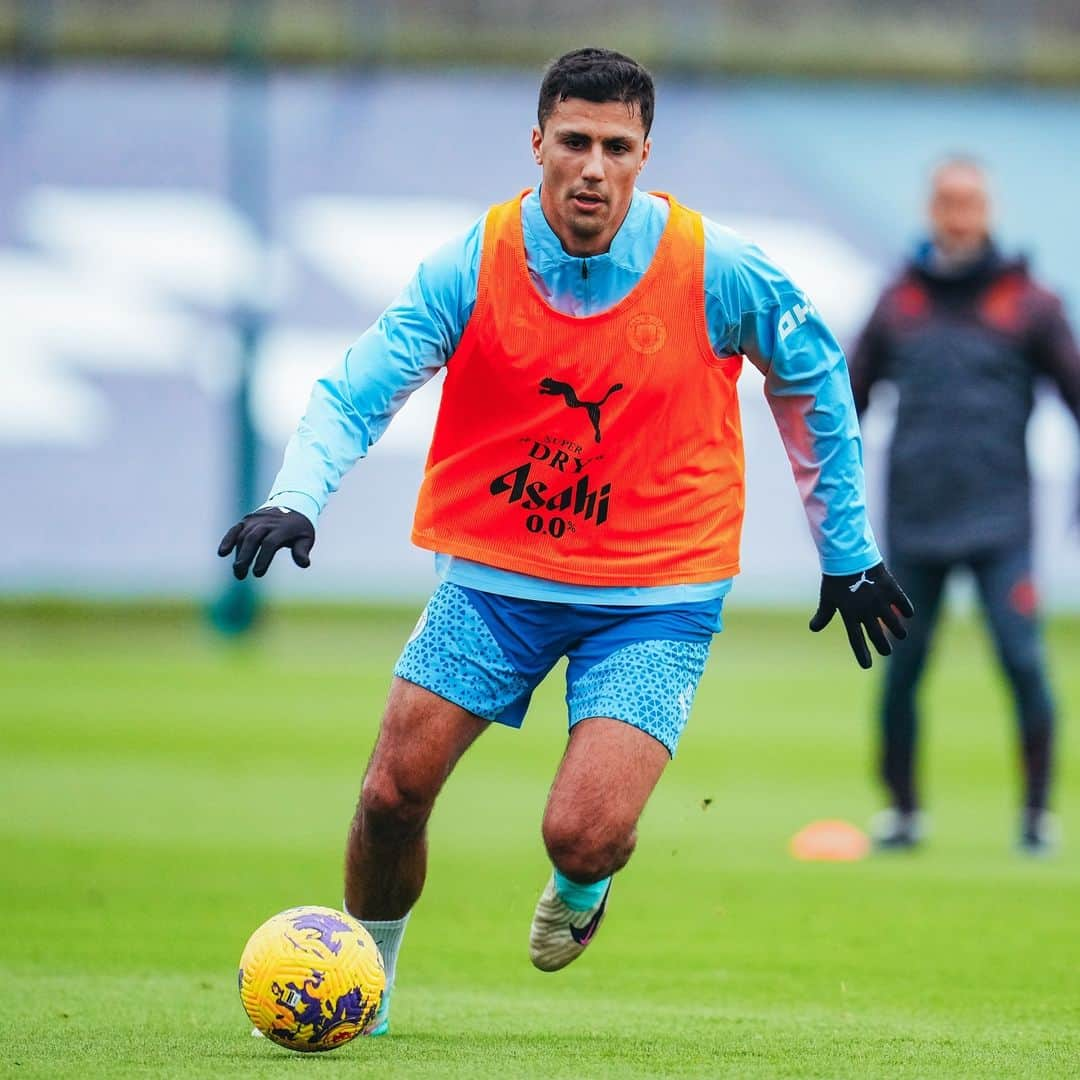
column 865, row 601
column 265, row 531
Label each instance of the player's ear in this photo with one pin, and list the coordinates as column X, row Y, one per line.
column 644, row 154
column 537, row 140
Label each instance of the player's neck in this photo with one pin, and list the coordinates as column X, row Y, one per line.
column 575, row 245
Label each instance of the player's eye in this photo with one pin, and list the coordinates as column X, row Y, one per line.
column 618, row 148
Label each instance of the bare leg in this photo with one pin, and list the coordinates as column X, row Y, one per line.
column 421, row 739
column 606, row 776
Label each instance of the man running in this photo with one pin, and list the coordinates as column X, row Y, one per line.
column 583, row 492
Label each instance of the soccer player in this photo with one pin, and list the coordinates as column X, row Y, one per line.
column 583, row 491
column 964, row 334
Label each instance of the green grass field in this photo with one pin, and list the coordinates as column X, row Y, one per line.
column 161, row 793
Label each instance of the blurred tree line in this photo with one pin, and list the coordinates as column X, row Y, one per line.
column 954, row 40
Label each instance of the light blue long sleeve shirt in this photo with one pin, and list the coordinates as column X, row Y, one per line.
column 751, row 307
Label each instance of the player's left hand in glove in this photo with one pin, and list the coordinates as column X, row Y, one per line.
column 266, row 531
column 870, row 601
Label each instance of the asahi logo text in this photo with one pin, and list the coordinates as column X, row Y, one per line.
column 554, row 489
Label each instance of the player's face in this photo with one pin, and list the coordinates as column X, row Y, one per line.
column 590, row 153
column 959, row 210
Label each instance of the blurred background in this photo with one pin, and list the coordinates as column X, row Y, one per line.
column 202, row 204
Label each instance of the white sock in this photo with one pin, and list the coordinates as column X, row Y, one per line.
column 387, row 934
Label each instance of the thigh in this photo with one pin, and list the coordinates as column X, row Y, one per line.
column 606, row 775
column 1009, row 599
column 924, row 584
column 421, row 738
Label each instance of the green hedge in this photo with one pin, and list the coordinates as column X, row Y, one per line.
column 322, row 32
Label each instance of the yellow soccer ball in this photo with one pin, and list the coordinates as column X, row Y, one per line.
column 311, row 978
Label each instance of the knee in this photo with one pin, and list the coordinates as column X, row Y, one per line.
column 1026, row 672
column 391, row 805
column 1024, row 668
column 587, row 851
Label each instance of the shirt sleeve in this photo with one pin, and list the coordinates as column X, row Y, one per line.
column 868, row 357
column 353, row 403
column 1054, row 351
column 753, row 308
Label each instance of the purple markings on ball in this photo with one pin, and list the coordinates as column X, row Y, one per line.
column 307, row 1009
column 327, row 926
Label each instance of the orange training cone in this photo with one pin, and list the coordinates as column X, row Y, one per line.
column 830, row 841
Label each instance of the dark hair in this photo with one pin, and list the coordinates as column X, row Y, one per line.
column 597, row 75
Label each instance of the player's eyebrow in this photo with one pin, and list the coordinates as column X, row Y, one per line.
column 566, row 135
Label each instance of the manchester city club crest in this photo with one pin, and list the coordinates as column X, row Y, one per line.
column 646, row 333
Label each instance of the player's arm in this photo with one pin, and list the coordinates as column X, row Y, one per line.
column 353, row 403
column 866, row 364
column 753, row 308
column 1055, row 353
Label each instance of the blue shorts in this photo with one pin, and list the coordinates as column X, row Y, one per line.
column 487, row 653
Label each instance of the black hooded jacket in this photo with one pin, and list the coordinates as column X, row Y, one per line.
column 964, row 350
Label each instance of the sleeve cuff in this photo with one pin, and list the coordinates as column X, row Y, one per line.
column 295, row 500
column 851, row 564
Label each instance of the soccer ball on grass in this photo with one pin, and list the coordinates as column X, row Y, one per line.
column 311, row 978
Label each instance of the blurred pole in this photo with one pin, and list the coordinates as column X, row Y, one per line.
column 236, row 607
column 368, row 25
column 33, row 31
column 1005, row 38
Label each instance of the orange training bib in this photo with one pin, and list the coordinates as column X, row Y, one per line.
column 603, row 450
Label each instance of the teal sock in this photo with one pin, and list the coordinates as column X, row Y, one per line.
column 580, row 897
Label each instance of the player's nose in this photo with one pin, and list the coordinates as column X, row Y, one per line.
column 593, row 167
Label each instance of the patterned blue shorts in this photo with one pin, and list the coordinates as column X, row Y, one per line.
column 487, row 653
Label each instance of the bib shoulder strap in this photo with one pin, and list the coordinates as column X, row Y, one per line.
column 687, row 228
column 502, row 234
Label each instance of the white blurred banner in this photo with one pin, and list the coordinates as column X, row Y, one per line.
column 137, row 283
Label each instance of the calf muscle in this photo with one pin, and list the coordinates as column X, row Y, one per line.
column 421, row 738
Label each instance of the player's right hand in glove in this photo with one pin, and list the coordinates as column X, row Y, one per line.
column 870, row 601
column 266, row 531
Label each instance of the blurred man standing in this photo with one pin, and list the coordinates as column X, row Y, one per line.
column 964, row 334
